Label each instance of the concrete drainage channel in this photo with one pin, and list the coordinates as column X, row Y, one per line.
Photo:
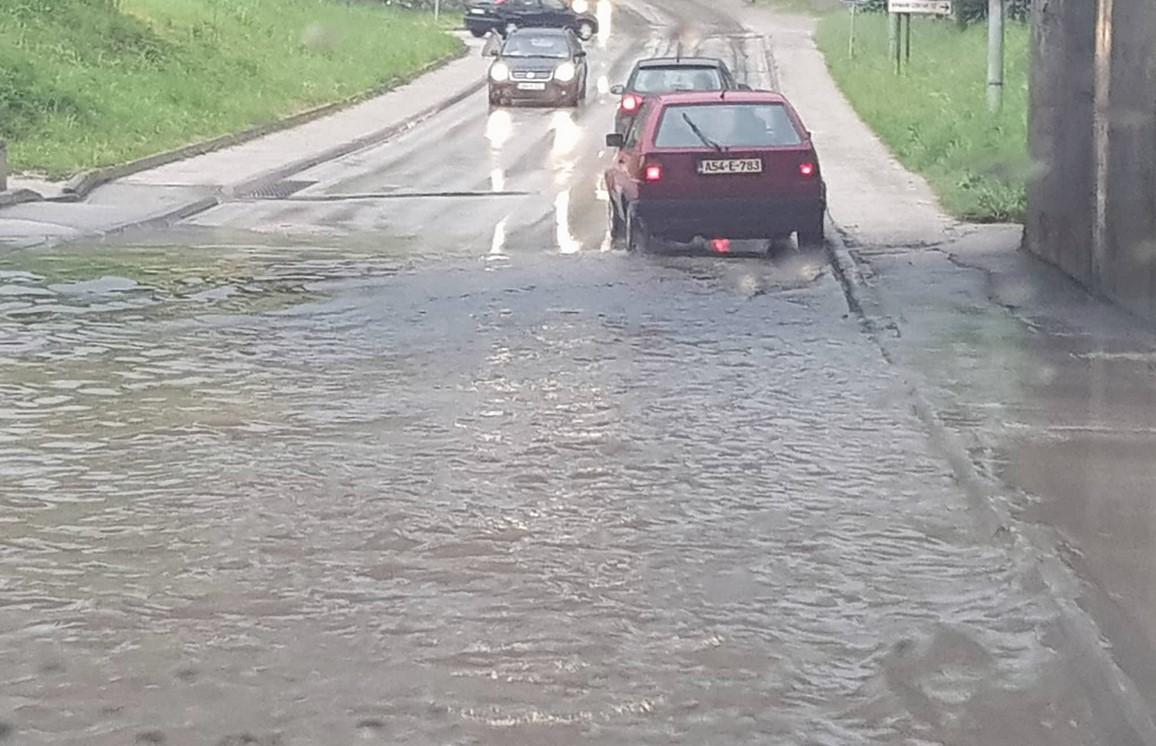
column 276, row 190
column 1115, row 697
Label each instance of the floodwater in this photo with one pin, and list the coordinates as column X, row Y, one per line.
column 560, row 499
column 408, row 453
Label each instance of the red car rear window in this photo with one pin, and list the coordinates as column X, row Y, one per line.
column 746, row 125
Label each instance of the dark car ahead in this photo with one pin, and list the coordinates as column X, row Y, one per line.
column 658, row 75
column 546, row 65
column 502, row 16
column 738, row 165
column 482, row 16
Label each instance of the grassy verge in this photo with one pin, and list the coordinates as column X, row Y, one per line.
column 87, row 83
column 934, row 118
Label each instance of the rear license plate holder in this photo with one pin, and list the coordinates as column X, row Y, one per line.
column 730, row 166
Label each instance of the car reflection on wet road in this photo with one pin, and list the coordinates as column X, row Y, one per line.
column 414, row 455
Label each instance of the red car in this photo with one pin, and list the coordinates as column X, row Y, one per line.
column 717, row 165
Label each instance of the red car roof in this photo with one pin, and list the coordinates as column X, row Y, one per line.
column 715, row 97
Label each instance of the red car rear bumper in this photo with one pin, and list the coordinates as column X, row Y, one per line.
column 681, row 219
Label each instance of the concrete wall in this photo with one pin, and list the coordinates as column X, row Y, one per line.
column 1092, row 206
column 1130, row 238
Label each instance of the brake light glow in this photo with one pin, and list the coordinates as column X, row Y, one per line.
column 807, row 169
column 631, row 103
column 721, row 245
column 653, row 172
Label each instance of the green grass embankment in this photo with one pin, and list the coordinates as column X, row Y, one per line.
column 934, row 117
column 86, row 83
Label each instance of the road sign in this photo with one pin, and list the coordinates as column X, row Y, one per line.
column 920, row 7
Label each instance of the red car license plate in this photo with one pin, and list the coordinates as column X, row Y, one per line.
column 731, row 166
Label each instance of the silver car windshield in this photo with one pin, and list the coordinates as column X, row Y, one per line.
column 553, row 47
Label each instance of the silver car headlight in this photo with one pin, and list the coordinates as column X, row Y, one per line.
column 500, row 72
column 565, row 72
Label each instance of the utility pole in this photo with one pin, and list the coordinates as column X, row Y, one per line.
column 907, row 40
column 851, row 38
column 893, row 39
column 995, row 36
column 437, row 9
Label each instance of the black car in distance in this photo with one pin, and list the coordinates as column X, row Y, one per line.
column 545, row 65
column 655, row 76
column 502, row 16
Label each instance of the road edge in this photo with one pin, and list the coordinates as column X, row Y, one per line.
column 165, row 218
column 1115, row 697
column 12, row 197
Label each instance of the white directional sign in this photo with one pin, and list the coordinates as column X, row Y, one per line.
column 920, row 7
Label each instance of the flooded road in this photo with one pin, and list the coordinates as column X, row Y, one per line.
column 592, row 499
column 416, row 456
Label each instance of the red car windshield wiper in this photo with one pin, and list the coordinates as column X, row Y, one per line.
column 699, row 133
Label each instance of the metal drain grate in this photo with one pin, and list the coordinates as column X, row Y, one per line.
column 278, row 190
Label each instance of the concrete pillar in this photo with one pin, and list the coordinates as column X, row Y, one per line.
column 1061, row 195
column 1127, row 242
column 1100, row 132
column 1092, row 202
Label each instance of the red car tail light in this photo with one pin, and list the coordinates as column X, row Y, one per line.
column 807, row 169
column 631, row 103
column 721, row 245
column 653, row 172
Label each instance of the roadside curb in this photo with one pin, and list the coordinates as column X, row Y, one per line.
column 167, row 217
column 81, row 185
column 846, row 270
column 18, row 197
column 1115, row 697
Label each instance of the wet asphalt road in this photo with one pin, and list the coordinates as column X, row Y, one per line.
column 409, row 453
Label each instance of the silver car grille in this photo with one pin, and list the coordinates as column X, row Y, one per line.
column 532, row 75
